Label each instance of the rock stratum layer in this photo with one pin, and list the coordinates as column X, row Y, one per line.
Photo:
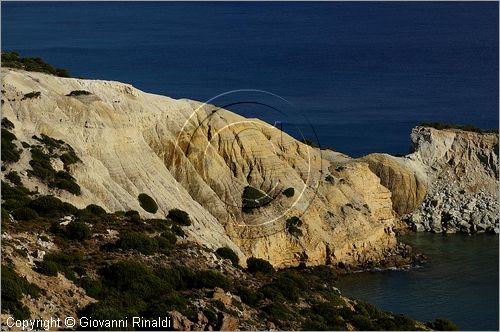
column 462, row 170
column 448, row 183
column 199, row 158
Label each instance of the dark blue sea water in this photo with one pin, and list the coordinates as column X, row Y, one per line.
column 363, row 74
column 459, row 282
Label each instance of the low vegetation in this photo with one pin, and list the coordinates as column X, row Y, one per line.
column 76, row 93
column 147, row 203
column 14, row 60
column 42, row 168
column 180, row 217
column 14, row 288
column 289, row 192
column 259, row 265
column 466, row 127
column 228, row 253
column 253, row 198
column 31, row 95
column 10, row 152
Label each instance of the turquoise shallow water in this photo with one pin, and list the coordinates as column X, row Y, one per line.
column 459, row 282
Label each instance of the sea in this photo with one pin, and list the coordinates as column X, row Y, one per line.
column 352, row 76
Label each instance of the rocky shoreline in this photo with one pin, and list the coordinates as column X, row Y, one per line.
column 448, row 184
column 448, row 210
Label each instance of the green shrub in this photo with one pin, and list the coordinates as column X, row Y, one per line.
column 24, row 213
column 42, row 168
column 210, row 279
column 277, row 312
column 65, row 263
column 13, row 60
column 78, row 230
column 133, row 216
column 179, row 216
column 248, row 296
column 147, row 203
column 48, row 268
column 259, row 265
column 442, row 324
column 272, row 293
column 92, row 287
column 13, row 289
column 289, row 192
column 69, row 158
column 49, row 142
column 253, row 198
column 466, row 127
column 166, row 241
column 177, row 230
column 138, row 241
column 7, row 124
column 68, row 185
column 95, row 209
column 14, row 197
column 76, row 93
column 32, row 94
column 14, row 178
column 50, row 205
column 228, row 253
column 10, row 152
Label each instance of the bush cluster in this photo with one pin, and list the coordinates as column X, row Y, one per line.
column 289, row 192
column 42, row 169
column 10, row 152
column 7, row 124
column 442, row 324
column 65, row 263
column 32, row 94
column 14, row 287
column 50, row 205
column 24, row 213
column 145, row 244
column 78, row 230
column 127, row 288
column 466, row 127
column 147, row 203
column 76, row 93
column 228, row 253
column 253, row 198
column 14, row 196
column 14, row 178
column 133, row 216
column 259, row 265
column 179, row 216
column 14, row 60
column 69, row 158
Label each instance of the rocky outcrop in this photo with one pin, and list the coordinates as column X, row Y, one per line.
column 407, row 187
column 194, row 156
column 462, row 169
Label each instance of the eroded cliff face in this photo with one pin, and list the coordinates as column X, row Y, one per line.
column 448, row 184
column 199, row 158
column 462, row 170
